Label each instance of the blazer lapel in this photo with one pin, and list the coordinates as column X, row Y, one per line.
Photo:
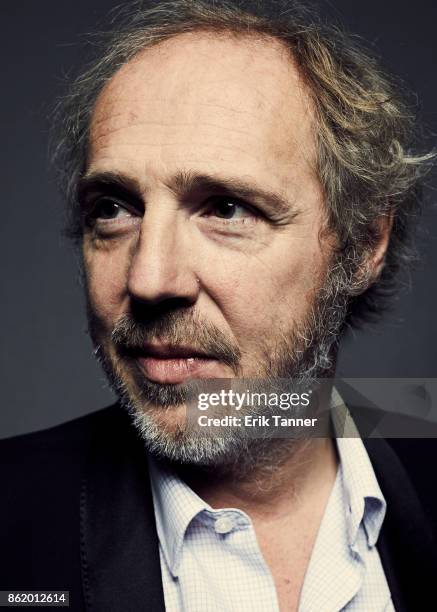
column 406, row 543
column 119, row 545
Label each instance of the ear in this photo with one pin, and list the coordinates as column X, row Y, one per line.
column 375, row 263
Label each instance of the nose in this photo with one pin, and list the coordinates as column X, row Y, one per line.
column 160, row 267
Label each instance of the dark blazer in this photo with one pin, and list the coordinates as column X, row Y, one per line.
column 76, row 514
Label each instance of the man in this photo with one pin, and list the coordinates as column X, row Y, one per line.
column 240, row 185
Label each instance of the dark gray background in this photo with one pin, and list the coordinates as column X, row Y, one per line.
column 48, row 370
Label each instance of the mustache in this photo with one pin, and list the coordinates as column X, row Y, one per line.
column 175, row 328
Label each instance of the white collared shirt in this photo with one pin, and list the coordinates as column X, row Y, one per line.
column 211, row 561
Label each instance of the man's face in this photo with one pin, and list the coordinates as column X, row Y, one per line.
column 203, row 247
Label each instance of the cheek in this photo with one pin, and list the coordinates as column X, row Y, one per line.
column 106, row 278
column 302, row 274
column 258, row 294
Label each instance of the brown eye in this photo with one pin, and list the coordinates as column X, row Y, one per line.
column 227, row 208
column 105, row 208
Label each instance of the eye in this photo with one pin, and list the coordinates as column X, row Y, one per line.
column 228, row 208
column 107, row 209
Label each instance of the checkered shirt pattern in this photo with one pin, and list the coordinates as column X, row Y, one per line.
column 211, row 561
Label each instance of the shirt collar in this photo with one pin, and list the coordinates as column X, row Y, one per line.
column 176, row 504
column 365, row 502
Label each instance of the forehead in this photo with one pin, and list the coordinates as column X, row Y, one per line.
column 203, row 98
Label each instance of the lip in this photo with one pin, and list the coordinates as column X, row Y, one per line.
column 177, row 364
column 168, row 351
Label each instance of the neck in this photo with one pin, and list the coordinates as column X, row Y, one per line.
column 270, row 476
column 269, row 481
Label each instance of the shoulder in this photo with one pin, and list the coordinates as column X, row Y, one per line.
column 41, row 478
column 418, row 457
column 404, row 469
column 63, row 443
column 41, row 472
column 401, row 447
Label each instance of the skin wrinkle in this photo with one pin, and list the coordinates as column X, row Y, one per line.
column 186, row 185
column 171, row 124
column 380, row 174
column 97, row 122
column 272, row 82
column 234, row 148
column 280, row 298
column 257, row 286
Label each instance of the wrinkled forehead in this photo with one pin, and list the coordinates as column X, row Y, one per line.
column 244, row 93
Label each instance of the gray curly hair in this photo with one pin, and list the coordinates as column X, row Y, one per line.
column 363, row 129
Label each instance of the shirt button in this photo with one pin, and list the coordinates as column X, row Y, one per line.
column 224, row 524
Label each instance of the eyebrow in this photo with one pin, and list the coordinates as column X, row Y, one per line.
column 184, row 183
column 123, row 185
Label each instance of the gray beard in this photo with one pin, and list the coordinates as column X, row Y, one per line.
column 304, row 356
column 236, row 450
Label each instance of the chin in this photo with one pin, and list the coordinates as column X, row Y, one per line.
column 166, row 435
